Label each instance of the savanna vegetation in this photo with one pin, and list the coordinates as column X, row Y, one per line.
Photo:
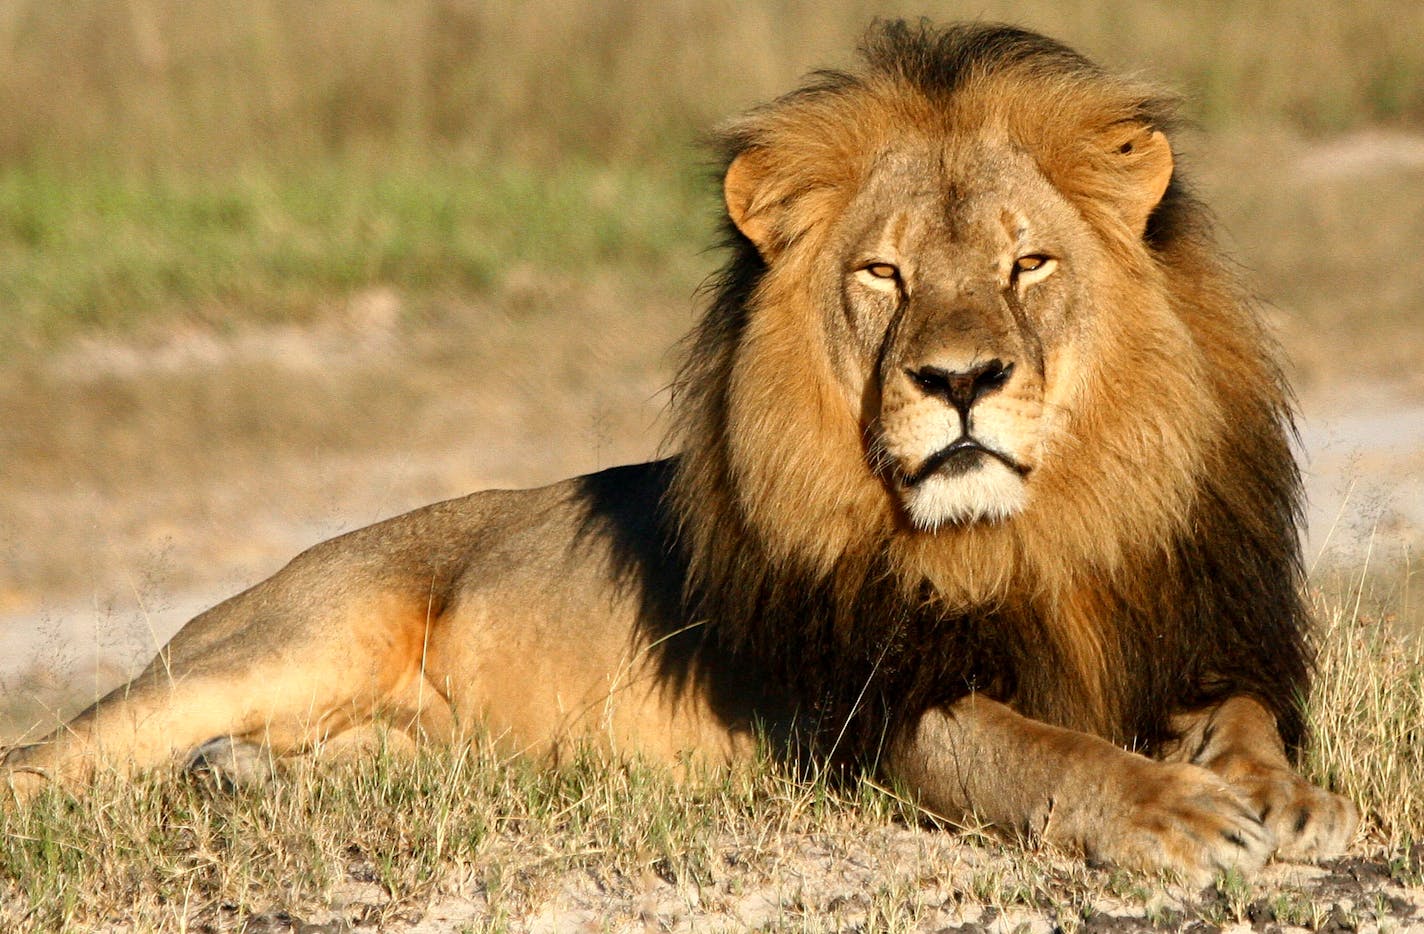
column 230, row 161
column 219, row 166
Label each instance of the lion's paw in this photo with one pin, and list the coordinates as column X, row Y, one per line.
column 19, row 787
column 1308, row 822
column 1182, row 819
column 231, row 763
column 20, row 782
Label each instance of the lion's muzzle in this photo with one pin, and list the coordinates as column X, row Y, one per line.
column 957, row 429
column 961, row 389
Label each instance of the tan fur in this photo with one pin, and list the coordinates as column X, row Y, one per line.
column 786, row 378
column 992, row 245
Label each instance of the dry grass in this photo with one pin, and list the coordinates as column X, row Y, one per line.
column 213, row 82
column 1310, row 222
column 1368, row 708
column 166, row 851
column 388, row 839
column 218, row 161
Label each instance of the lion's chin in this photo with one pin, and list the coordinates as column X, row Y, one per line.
column 991, row 493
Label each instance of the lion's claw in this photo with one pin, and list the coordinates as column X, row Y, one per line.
column 1183, row 819
column 1308, row 822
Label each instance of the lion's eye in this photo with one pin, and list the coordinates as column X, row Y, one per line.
column 1035, row 267
column 882, row 277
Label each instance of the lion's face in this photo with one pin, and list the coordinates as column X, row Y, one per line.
column 953, row 328
column 952, row 293
column 959, row 328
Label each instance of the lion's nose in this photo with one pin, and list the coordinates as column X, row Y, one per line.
column 961, row 388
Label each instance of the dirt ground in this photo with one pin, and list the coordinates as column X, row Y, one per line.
column 144, row 480
column 900, row 880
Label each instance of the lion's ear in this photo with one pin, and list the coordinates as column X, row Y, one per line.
column 1145, row 159
column 745, row 178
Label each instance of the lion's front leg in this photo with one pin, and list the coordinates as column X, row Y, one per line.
column 1238, row 740
column 979, row 759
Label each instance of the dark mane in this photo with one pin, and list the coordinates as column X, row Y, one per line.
column 936, row 61
column 865, row 648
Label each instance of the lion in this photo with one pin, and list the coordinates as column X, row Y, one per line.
column 983, row 486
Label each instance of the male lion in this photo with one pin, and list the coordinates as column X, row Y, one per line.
column 984, row 485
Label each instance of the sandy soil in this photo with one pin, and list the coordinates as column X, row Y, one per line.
column 142, row 484
column 892, row 879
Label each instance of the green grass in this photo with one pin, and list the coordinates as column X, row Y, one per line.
column 228, row 161
column 110, row 251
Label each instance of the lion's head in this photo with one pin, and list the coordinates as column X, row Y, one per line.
column 977, row 404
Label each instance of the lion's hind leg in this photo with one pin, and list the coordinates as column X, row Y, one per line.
column 241, row 762
column 287, row 665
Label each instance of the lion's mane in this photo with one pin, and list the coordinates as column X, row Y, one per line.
column 1166, row 574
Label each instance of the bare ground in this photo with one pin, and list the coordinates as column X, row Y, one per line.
column 893, row 879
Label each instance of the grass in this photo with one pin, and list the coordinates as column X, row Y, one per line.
column 257, row 161
column 161, row 853
column 384, row 838
column 210, row 82
column 111, row 252
column 1368, row 733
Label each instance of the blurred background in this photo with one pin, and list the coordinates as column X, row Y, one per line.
column 270, row 271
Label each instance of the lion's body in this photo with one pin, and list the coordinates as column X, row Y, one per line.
column 984, row 475
column 544, row 618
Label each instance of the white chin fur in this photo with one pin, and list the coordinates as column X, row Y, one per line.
column 992, row 493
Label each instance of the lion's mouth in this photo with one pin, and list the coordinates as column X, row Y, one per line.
column 964, row 455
